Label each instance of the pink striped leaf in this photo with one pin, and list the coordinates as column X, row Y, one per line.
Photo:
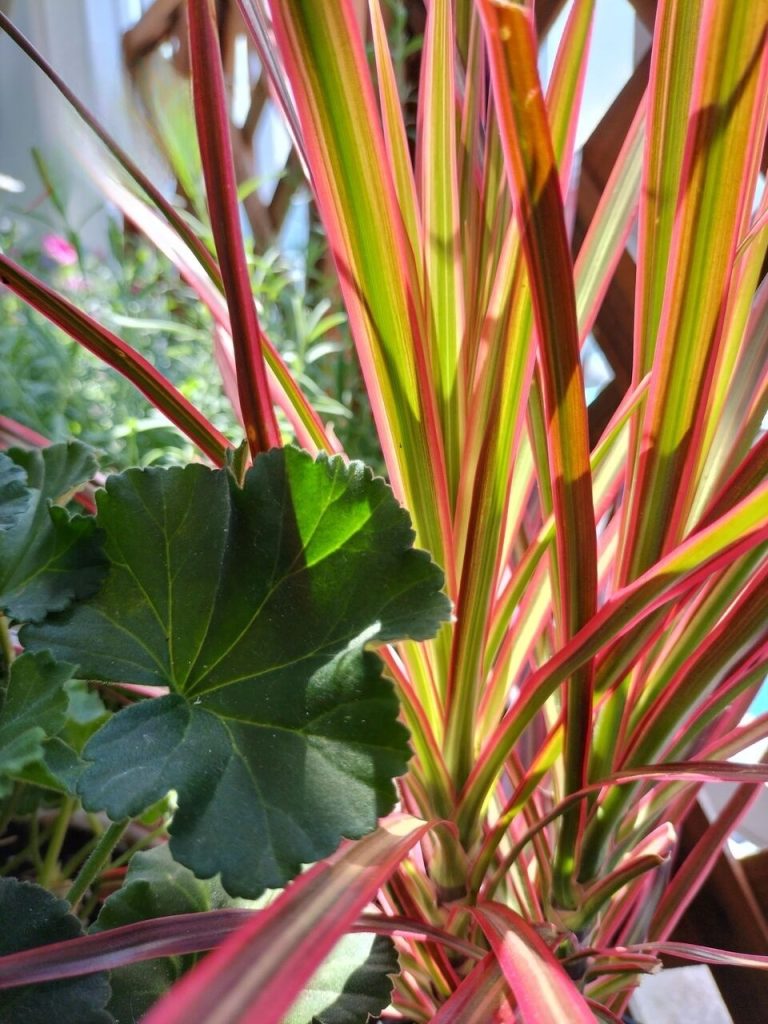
column 325, row 63
column 702, row 954
column 682, row 325
column 436, row 163
column 256, row 975
column 481, row 998
column 533, row 180
column 175, row 935
column 543, row 991
column 740, row 530
column 502, row 358
column 395, row 137
column 221, row 190
column 178, row 935
column 116, row 353
column 695, row 869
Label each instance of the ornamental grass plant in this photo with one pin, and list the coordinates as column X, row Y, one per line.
column 482, row 768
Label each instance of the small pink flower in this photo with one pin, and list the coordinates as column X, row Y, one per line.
column 59, row 250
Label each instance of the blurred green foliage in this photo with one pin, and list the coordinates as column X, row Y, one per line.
column 57, row 388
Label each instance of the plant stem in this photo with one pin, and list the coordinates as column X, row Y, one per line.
column 140, row 844
column 51, row 862
column 34, row 845
column 71, row 866
column 96, row 861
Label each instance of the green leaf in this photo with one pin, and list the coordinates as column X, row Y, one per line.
column 155, row 886
column 46, row 717
column 47, row 557
column 33, row 917
column 352, row 985
column 254, row 607
column 85, row 713
column 136, row 988
column 33, row 707
column 58, row 470
column 324, row 61
column 158, row 886
column 59, row 768
column 14, row 496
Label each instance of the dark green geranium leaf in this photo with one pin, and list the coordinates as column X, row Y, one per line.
column 47, row 557
column 57, row 471
column 15, row 498
column 59, row 768
column 254, row 607
column 136, row 988
column 85, row 713
column 33, row 917
column 33, row 707
column 352, row 984
column 257, row 799
column 155, row 886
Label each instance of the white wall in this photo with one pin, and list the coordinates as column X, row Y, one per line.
column 81, row 40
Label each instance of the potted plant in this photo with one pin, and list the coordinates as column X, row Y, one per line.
column 602, row 629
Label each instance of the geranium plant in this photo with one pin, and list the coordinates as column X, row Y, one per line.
column 608, row 625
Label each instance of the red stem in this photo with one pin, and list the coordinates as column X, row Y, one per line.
column 213, row 130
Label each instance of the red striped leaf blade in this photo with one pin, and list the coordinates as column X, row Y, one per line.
column 175, row 935
column 437, row 170
column 212, row 119
column 533, row 179
column 695, row 869
column 543, row 991
column 255, row 976
column 324, row 60
column 479, row 999
column 743, row 528
column 725, row 115
column 116, row 353
column 702, row 954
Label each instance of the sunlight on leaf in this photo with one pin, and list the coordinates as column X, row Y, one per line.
column 351, row 986
column 254, row 607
